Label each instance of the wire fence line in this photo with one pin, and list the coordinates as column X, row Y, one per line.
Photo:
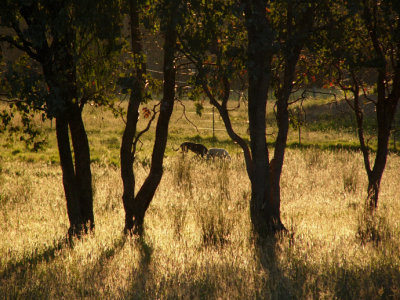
column 212, row 122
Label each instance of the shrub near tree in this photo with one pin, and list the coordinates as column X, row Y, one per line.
column 69, row 46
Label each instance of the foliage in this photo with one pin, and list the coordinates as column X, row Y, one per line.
column 37, row 29
column 213, row 41
column 23, row 80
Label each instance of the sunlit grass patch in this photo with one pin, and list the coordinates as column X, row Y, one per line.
column 198, row 241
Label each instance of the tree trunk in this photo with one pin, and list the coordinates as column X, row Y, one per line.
column 264, row 215
column 385, row 111
column 69, row 179
column 127, row 151
column 83, row 173
column 127, row 159
column 385, row 106
column 283, row 95
column 77, row 179
column 146, row 193
column 373, row 193
column 385, row 120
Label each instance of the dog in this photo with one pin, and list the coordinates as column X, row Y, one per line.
column 218, row 152
column 199, row 149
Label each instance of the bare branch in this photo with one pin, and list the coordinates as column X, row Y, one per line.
column 306, row 91
column 367, row 97
column 137, row 138
column 23, row 47
column 184, row 115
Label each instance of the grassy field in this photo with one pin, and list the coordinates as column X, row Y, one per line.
column 197, row 243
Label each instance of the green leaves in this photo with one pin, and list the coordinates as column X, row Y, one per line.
column 199, row 108
column 126, row 83
column 71, row 54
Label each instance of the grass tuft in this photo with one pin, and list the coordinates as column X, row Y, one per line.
column 215, row 228
column 373, row 228
column 350, row 179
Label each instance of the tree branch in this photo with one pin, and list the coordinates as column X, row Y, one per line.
column 137, row 138
column 184, row 114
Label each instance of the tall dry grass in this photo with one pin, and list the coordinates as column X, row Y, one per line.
column 197, row 242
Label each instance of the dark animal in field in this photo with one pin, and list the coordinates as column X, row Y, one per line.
column 218, row 152
column 199, row 149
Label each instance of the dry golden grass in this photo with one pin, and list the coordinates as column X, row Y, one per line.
column 197, row 242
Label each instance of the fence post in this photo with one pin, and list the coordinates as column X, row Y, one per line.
column 213, row 122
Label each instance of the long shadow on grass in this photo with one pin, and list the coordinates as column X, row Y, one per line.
column 378, row 281
column 196, row 283
column 96, row 272
column 299, row 278
column 106, row 255
column 279, row 285
column 344, row 280
column 31, row 260
column 141, row 275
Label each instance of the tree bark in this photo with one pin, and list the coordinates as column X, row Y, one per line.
column 83, row 172
column 265, row 219
column 385, row 112
column 69, row 179
column 146, row 193
column 60, row 74
column 385, row 106
column 127, row 159
column 127, row 151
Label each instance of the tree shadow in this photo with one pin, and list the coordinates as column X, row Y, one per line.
column 279, row 285
column 107, row 254
column 141, row 275
column 31, row 260
column 378, row 281
column 299, row 278
column 96, row 276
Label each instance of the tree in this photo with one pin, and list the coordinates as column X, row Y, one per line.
column 364, row 51
column 69, row 43
column 136, row 205
column 137, row 96
column 224, row 46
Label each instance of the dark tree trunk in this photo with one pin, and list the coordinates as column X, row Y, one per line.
column 76, row 179
column 282, row 116
column 385, row 112
column 83, row 172
column 373, row 192
column 127, row 159
column 146, row 193
column 69, row 179
column 264, row 216
column 127, row 151
column 60, row 75
column 386, row 103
